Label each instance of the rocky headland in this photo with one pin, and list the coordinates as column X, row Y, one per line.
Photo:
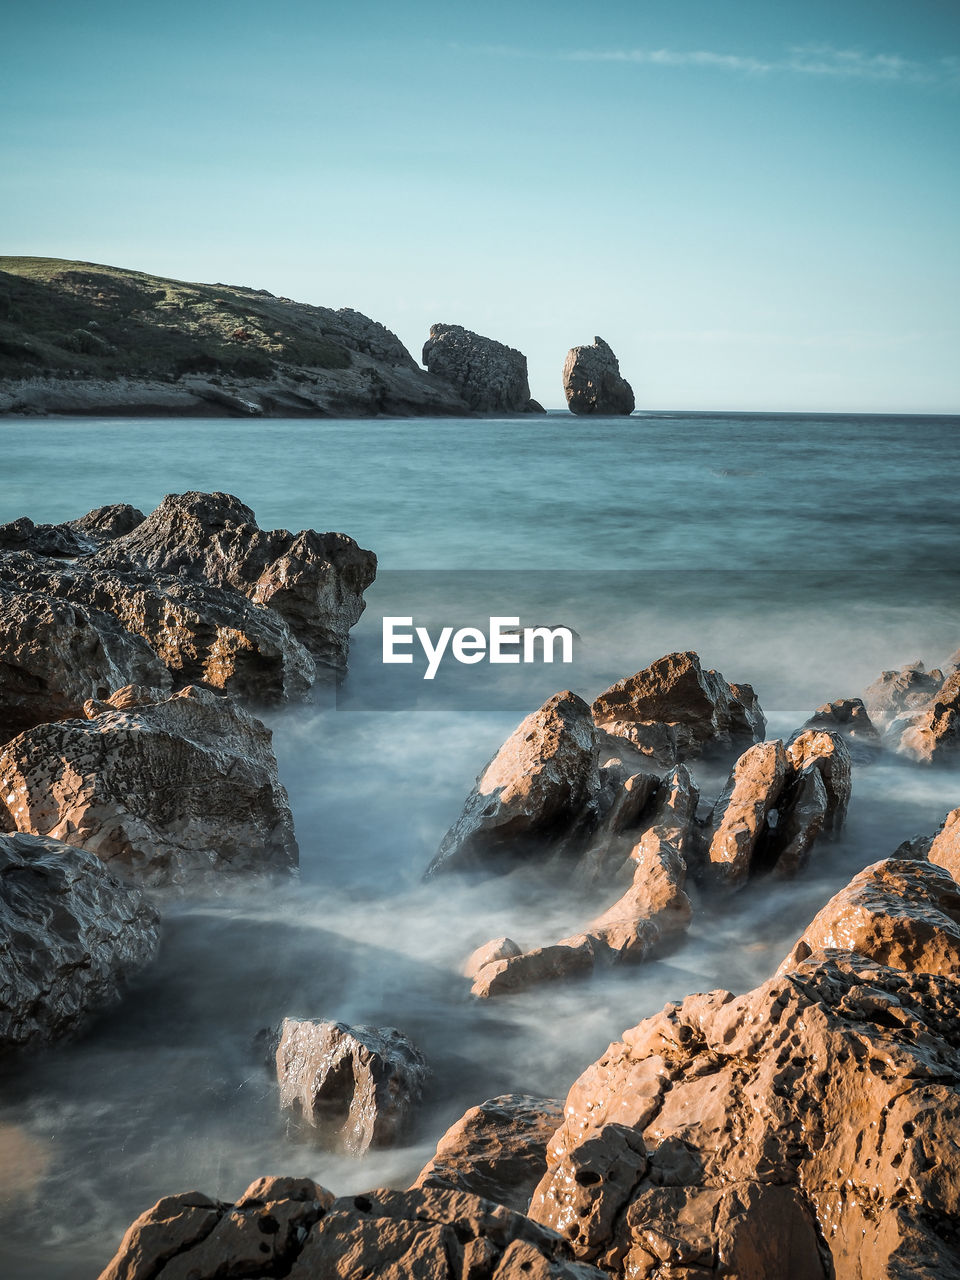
column 491, row 377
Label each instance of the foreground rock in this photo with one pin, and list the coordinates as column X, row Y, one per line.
column 536, row 790
column 70, row 935
column 675, row 710
column 357, row 1086
column 497, row 1150
column 808, row 1128
column 488, row 376
column 293, row 1227
column 162, row 792
column 196, row 588
column 944, row 848
column 904, row 913
column 592, row 382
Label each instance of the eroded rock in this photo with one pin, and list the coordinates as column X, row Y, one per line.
column 828, row 754
column 741, row 817
column 676, row 710
column 570, row 957
column 944, row 848
column 592, row 382
column 70, row 935
column 55, row 655
column 496, row 1150
column 848, row 717
column 931, row 734
column 161, row 793
column 357, row 1086
column 899, row 912
column 490, row 377
column 532, row 794
column 807, row 1128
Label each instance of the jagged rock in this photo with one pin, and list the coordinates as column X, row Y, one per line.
column 356, row 1085
column 161, row 793
column 495, row 949
column 806, row 807
column 314, row 581
column 944, row 848
column 489, row 376
column 655, row 908
column 683, row 709
column 497, row 1150
column 592, row 381
column 55, row 655
column 640, row 802
column 740, row 818
column 848, row 717
column 73, row 537
column 931, row 734
column 808, row 1129
column 574, row 956
column 533, row 792
column 898, row 693
column 899, row 912
column 828, row 754
column 70, row 934
column 263, row 614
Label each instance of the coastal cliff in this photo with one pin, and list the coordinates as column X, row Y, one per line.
column 79, row 338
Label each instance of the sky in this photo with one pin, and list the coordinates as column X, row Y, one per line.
column 755, row 203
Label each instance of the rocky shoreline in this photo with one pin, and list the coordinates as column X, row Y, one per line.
column 805, row 1128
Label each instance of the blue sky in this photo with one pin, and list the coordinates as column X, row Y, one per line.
column 755, row 203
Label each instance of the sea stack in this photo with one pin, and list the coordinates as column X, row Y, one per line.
column 592, row 381
column 489, row 376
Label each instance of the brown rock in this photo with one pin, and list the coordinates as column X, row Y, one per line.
column 191, row 1237
column 740, row 818
column 848, row 717
column 356, row 1085
column 699, row 710
column 899, row 912
column 70, row 935
column 495, row 949
column 592, row 382
column 490, row 377
column 314, row 581
column 898, row 693
column 564, row 959
column 74, row 537
column 496, row 1150
column 806, row 807
column 807, row 1128
column 54, row 656
column 828, row 754
column 654, row 909
column 161, row 793
column 620, row 829
column 931, row 734
column 532, row 794
column 945, row 847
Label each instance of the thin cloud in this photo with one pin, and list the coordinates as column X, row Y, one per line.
column 814, row 60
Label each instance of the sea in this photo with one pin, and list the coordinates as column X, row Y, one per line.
column 803, row 554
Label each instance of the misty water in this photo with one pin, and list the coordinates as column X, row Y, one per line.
column 802, row 554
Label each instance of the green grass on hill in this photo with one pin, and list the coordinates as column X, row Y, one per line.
column 58, row 316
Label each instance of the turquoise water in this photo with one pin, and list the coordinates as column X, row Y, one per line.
column 801, row 553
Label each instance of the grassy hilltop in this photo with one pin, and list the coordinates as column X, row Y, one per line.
column 59, row 316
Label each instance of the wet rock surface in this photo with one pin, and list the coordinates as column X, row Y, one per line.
column 533, row 792
column 357, row 1086
column 944, row 849
column 497, row 1150
column 675, row 710
column 592, row 382
column 849, row 718
column 70, row 936
column 919, row 711
column 293, row 1227
column 489, row 376
column 200, row 587
column 806, row 1128
column 162, row 793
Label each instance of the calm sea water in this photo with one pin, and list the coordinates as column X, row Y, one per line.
column 801, row 553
